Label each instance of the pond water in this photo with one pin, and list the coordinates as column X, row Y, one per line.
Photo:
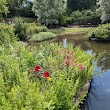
column 99, row 93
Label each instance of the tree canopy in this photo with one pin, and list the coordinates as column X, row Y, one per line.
column 20, row 8
column 104, row 10
column 80, row 4
column 48, row 11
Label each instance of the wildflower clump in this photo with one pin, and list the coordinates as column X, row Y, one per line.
column 47, row 77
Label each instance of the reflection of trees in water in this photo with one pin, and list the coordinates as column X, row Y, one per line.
column 99, row 48
column 104, row 62
column 94, row 94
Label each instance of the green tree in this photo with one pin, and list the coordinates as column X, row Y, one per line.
column 48, row 11
column 3, row 7
column 27, row 10
column 104, row 10
column 80, row 4
column 16, row 7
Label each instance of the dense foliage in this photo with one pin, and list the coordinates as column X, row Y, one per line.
column 25, row 30
column 41, row 77
column 7, row 36
column 20, row 8
column 3, row 7
column 20, row 29
column 48, row 11
column 74, row 5
column 53, row 12
column 79, row 17
column 33, row 28
column 101, row 32
column 104, row 10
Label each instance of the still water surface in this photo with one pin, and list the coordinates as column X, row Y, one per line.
column 99, row 94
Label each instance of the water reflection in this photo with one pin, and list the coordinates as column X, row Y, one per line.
column 99, row 94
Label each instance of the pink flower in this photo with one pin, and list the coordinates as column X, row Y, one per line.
column 72, row 53
column 72, row 63
column 66, row 60
column 74, row 59
column 71, row 56
column 81, row 66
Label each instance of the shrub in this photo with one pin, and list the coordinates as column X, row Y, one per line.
column 62, row 21
column 33, row 28
column 87, row 12
column 84, row 16
column 76, row 14
column 20, row 29
column 7, row 36
column 78, row 17
column 101, row 32
column 65, row 20
column 42, row 36
column 2, row 20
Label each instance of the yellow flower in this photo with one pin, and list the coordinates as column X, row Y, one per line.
column 49, row 78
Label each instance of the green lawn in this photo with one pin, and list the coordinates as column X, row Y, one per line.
column 74, row 30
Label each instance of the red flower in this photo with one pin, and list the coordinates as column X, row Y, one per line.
column 37, row 68
column 46, row 75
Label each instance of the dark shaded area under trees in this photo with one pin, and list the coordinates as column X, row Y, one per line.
column 20, row 8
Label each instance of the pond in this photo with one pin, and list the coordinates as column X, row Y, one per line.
column 99, row 93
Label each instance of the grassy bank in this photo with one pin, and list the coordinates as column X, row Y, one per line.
column 75, row 30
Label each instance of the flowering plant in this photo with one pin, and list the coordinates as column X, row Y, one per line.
column 39, row 72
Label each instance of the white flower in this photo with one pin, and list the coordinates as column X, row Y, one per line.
column 40, row 54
